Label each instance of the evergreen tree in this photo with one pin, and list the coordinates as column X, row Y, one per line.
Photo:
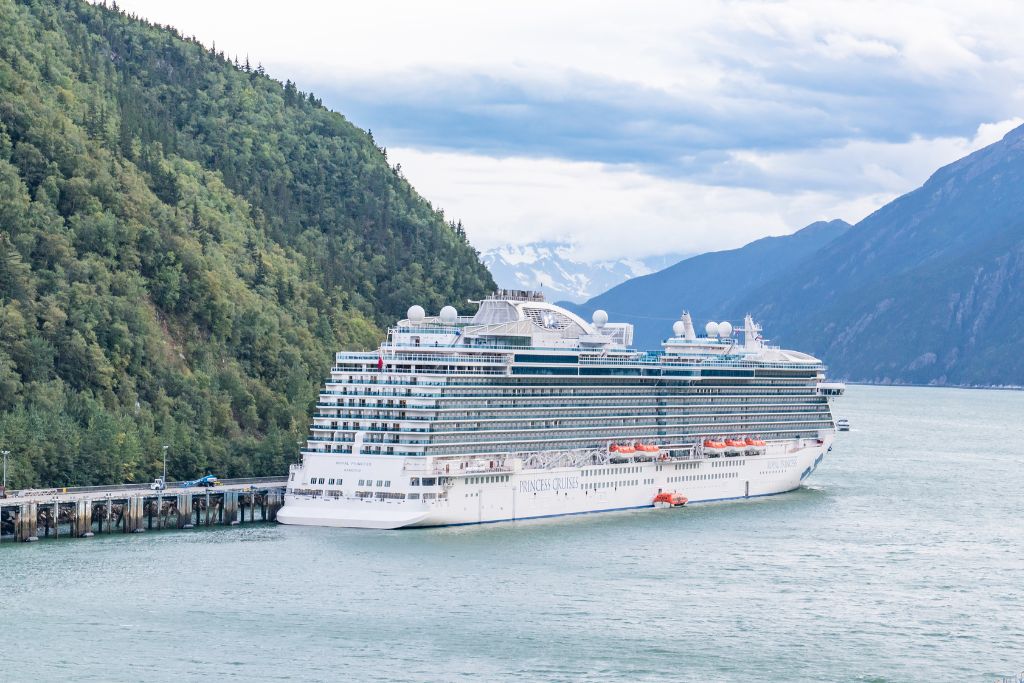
column 181, row 274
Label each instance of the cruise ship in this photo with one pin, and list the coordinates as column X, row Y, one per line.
column 526, row 410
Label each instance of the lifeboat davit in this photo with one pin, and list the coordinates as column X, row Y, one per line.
column 670, row 500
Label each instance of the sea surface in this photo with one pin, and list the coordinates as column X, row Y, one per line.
column 902, row 559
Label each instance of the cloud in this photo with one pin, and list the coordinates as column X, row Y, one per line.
column 606, row 211
column 645, row 82
column 642, row 128
column 615, row 211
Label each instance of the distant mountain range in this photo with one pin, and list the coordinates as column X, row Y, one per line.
column 708, row 285
column 929, row 289
column 550, row 267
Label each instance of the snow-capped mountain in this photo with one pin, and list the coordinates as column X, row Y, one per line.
column 550, row 267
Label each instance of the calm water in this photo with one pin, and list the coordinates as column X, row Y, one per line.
column 902, row 560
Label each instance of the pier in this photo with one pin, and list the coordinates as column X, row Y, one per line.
column 82, row 512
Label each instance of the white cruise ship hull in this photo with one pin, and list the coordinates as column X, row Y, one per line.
column 510, row 493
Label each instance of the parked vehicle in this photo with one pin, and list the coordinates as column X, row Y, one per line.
column 158, row 484
column 208, row 480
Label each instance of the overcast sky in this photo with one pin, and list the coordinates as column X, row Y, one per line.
column 635, row 128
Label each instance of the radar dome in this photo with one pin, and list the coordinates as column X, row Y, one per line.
column 678, row 328
column 712, row 329
column 600, row 318
column 725, row 329
column 416, row 313
column 449, row 314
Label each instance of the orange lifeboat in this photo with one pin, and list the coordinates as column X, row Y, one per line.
column 713, row 448
column 754, row 442
column 670, row 500
column 614, row 448
column 734, row 443
column 626, row 449
column 647, row 447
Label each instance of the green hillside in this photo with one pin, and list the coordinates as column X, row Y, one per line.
column 184, row 242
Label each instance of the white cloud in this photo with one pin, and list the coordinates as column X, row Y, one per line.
column 649, row 42
column 609, row 212
column 737, row 119
column 856, row 167
column 616, row 211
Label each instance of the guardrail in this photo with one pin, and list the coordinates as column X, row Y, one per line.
column 19, row 493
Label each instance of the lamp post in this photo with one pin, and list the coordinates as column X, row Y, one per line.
column 165, row 466
column 5, row 453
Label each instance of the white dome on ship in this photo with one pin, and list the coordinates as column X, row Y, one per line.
column 449, row 314
column 725, row 329
column 711, row 329
column 600, row 318
column 678, row 328
column 416, row 313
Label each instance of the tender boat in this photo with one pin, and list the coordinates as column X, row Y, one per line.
column 670, row 500
column 843, row 425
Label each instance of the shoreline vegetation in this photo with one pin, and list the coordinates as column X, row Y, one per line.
column 185, row 242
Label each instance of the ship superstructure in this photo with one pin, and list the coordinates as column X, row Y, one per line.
column 526, row 410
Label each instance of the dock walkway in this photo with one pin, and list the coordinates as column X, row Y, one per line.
column 81, row 512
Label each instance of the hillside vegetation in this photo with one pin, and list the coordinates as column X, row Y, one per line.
column 184, row 242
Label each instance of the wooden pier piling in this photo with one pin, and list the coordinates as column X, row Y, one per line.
column 132, row 508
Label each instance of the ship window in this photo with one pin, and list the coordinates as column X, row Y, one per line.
column 429, row 481
column 379, row 482
column 414, row 496
column 331, row 482
column 415, row 481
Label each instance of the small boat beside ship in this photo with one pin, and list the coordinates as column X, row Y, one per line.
column 670, row 500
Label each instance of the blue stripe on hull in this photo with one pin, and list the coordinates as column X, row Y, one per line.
column 591, row 512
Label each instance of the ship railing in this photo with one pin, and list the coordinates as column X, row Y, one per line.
column 441, row 357
column 450, row 469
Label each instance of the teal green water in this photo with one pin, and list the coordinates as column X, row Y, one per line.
column 901, row 560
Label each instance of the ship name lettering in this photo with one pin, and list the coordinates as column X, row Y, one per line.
column 551, row 484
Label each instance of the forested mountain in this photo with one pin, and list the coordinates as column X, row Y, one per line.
column 929, row 289
column 708, row 285
column 184, row 242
